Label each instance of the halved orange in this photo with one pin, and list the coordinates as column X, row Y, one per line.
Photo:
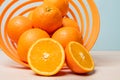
column 78, row 58
column 46, row 57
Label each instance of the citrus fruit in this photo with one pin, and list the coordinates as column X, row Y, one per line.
column 69, row 23
column 17, row 26
column 66, row 34
column 30, row 15
column 46, row 56
column 27, row 39
column 62, row 5
column 47, row 17
column 78, row 58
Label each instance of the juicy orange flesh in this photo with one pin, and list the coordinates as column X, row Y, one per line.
column 46, row 56
column 81, row 56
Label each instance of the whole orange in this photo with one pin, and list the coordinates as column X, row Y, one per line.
column 70, row 23
column 66, row 34
column 47, row 17
column 30, row 15
column 27, row 39
column 62, row 5
column 17, row 26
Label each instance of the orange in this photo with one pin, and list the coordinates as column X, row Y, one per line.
column 66, row 34
column 69, row 23
column 78, row 58
column 17, row 26
column 47, row 17
column 62, row 5
column 27, row 39
column 46, row 56
column 30, row 15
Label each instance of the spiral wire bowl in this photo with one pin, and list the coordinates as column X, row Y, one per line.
column 84, row 12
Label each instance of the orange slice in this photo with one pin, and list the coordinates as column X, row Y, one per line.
column 78, row 58
column 46, row 57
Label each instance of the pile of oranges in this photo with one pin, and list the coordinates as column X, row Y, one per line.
column 46, row 39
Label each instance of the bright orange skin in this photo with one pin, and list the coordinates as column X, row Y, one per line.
column 69, row 23
column 66, row 34
column 62, row 5
column 27, row 39
column 17, row 26
column 30, row 15
column 46, row 17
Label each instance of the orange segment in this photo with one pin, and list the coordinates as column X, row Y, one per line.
column 78, row 58
column 46, row 57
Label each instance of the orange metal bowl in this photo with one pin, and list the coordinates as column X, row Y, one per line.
column 84, row 12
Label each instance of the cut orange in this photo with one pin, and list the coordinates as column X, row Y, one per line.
column 78, row 58
column 46, row 57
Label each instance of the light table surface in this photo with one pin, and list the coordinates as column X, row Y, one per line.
column 107, row 67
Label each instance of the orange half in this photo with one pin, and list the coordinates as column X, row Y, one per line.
column 46, row 57
column 78, row 58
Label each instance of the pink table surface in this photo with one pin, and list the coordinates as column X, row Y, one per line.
column 107, row 67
